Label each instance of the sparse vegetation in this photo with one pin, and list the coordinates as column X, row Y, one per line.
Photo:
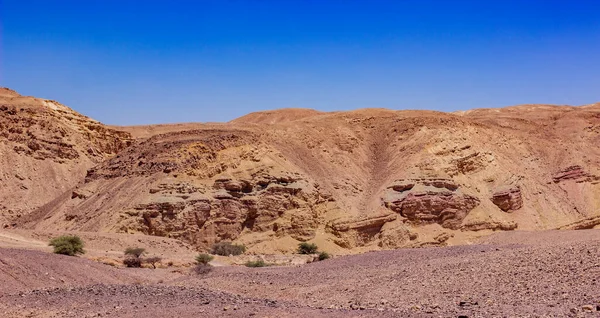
column 202, row 264
column 152, row 261
column 228, row 248
column 67, row 245
column 307, row 248
column 311, row 248
column 258, row 263
column 133, row 256
column 202, row 269
column 204, row 258
column 323, row 256
column 135, row 251
column 132, row 261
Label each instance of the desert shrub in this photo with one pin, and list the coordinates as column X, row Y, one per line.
column 228, row 248
column 67, row 245
column 152, row 260
column 258, row 263
column 132, row 261
column 204, row 258
column 323, row 256
column 307, row 248
column 133, row 256
column 202, row 269
column 135, row 251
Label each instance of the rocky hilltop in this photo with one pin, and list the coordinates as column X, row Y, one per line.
column 349, row 181
column 46, row 149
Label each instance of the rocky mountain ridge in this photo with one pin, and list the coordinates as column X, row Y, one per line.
column 349, row 181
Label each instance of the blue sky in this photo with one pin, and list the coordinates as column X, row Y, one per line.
column 139, row 62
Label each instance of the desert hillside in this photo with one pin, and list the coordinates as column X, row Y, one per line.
column 350, row 181
column 46, row 149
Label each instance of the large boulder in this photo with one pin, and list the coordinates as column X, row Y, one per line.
column 508, row 199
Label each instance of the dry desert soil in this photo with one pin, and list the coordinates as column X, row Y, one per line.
column 517, row 274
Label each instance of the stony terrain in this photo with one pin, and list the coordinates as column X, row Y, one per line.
column 523, row 274
column 355, row 181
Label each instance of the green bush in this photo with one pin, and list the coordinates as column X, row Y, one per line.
column 67, row 245
column 323, row 256
column 307, row 248
column 204, row 258
column 258, row 263
column 135, row 251
column 228, row 248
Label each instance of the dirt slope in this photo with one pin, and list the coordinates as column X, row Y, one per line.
column 350, row 181
column 23, row 270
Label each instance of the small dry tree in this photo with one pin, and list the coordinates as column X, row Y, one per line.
column 153, row 260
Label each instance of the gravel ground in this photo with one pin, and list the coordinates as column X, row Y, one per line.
column 547, row 275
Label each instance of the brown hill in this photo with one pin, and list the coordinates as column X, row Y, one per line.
column 277, row 116
column 46, row 149
column 349, row 181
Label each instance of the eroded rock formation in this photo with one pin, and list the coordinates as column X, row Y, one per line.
column 353, row 232
column 583, row 224
column 283, row 205
column 576, row 173
column 429, row 201
column 508, row 199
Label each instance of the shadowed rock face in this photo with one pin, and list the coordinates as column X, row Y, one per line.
column 508, row 199
column 429, row 201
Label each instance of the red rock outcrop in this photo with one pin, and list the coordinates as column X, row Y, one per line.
column 508, row 199
column 425, row 201
column 576, row 173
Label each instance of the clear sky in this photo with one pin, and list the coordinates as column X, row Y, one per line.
column 138, row 62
